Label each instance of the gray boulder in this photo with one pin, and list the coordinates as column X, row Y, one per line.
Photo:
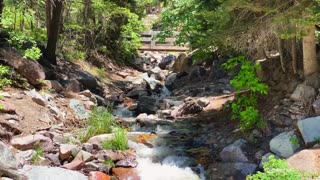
column 303, row 93
column 6, row 157
column 285, row 144
column 170, row 80
column 310, row 129
column 233, row 152
column 78, row 107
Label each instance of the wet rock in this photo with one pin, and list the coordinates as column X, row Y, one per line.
column 37, row 97
column 125, row 173
column 285, row 144
column 148, row 104
column 50, row 173
column 78, row 107
column 306, row 161
column 236, row 170
column 6, row 157
column 153, row 84
column 65, row 151
column 32, row 142
column 7, row 107
column 233, row 152
column 96, row 175
column 74, row 165
column 188, row 107
column 310, row 129
column 166, row 61
column 135, row 94
column 203, row 102
column 303, row 93
column 127, row 163
column 170, row 80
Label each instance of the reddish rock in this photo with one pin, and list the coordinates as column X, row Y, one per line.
column 32, row 142
column 125, row 173
column 306, row 161
column 74, row 165
column 65, row 150
column 31, row 70
column 96, row 175
column 7, row 107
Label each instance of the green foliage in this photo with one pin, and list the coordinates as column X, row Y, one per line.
column 99, row 122
column 276, row 169
column 246, row 81
column 37, row 156
column 4, row 76
column 294, row 140
column 118, row 142
column 109, row 162
column 33, row 53
column 74, row 55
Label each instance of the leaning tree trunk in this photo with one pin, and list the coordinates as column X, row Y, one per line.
column 53, row 33
column 310, row 64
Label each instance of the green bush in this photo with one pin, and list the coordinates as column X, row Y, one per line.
column 74, row 55
column 99, row 122
column 276, row 169
column 247, row 86
column 4, row 76
column 33, row 53
column 118, row 142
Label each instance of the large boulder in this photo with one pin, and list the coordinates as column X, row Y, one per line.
column 50, row 173
column 88, row 81
column 78, row 107
column 306, row 161
column 303, row 93
column 31, row 70
column 6, row 157
column 233, row 152
column 188, row 107
column 285, row 144
column 182, row 63
column 310, row 129
column 148, row 104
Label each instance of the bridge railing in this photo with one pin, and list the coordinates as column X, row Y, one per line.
column 151, row 44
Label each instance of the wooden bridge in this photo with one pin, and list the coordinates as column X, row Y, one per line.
column 150, row 44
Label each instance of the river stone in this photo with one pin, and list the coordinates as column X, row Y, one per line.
column 303, row 93
column 310, row 129
column 233, row 152
column 6, row 157
column 78, row 108
column 282, row 144
column 51, row 173
column 306, row 161
column 237, row 170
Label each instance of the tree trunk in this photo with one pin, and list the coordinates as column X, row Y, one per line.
column 310, row 64
column 294, row 55
column 48, row 15
column 1, row 8
column 53, row 33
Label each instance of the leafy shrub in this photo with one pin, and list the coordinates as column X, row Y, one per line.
column 33, row 53
column 99, row 122
column 245, row 106
column 4, row 76
column 276, row 169
column 74, row 55
column 119, row 141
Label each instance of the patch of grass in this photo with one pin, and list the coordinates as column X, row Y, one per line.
column 37, row 156
column 118, row 142
column 99, row 122
column 109, row 162
column 294, row 140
